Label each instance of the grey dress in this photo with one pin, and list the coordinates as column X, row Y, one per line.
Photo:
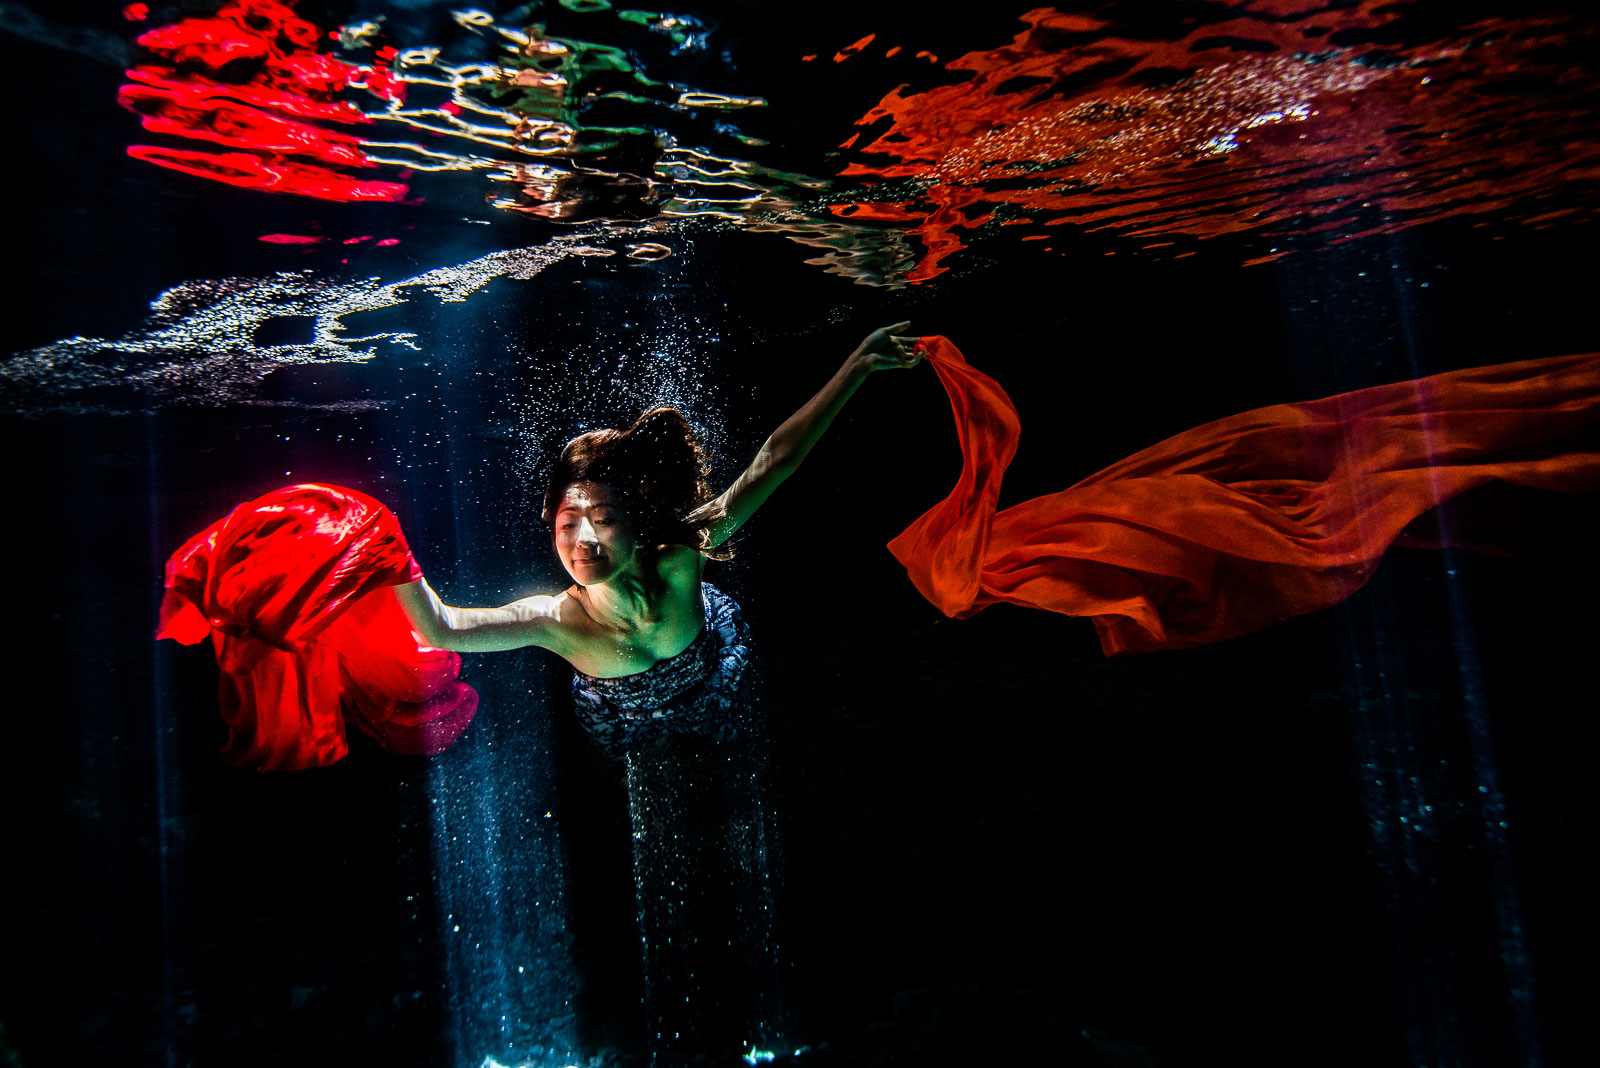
column 695, row 692
column 704, row 853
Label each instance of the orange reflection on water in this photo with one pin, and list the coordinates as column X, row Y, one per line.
column 1275, row 118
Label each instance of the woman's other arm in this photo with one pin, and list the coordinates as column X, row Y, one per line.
column 530, row 621
column 781, row 454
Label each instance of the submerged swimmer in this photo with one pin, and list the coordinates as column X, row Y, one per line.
column 633, row 523
column 1214, row 533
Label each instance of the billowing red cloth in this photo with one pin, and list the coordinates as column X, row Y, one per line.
column 292, row 589
column 1237, row 524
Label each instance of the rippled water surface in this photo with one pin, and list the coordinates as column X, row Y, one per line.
column 1146, row 131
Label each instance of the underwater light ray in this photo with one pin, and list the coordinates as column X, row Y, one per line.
column 168, row 790
column 1514, row 957
column 1384, row 735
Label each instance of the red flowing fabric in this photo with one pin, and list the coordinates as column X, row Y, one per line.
column 292, row 589
column 1246, row 521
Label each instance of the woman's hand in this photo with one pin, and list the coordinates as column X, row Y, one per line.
column 886, row 349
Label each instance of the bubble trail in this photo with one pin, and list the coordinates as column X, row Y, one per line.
column 201, row 344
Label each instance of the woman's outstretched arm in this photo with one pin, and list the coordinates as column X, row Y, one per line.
column 530, row 621
column 883, row 349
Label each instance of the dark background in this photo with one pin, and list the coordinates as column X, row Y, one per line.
column 998, row 844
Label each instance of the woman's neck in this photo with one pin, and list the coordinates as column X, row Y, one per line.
column 624, row 602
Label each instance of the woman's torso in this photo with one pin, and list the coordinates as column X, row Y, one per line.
column 696, row 692
column 663, row 616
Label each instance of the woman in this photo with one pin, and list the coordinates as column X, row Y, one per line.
column 633, row 523
column 659, row 656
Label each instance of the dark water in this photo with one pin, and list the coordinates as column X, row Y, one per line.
column 1351, row 839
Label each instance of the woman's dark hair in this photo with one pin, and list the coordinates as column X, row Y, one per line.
column 657, row 466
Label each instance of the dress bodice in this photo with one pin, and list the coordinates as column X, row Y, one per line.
column 693, row 692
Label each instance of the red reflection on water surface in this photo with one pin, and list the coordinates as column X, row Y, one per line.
column 1273, row 117
column 250, row 79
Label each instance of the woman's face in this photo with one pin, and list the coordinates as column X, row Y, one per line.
column 594, row 537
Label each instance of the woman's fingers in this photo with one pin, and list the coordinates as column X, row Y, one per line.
column 904, row 352
column 910, row 350
column 892, row 348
